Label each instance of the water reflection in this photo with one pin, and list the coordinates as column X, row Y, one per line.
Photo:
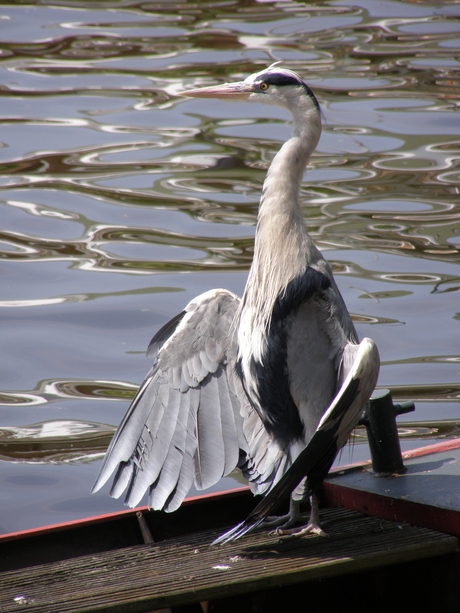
column 72, row 441
column 104, row 170
column 54, row 441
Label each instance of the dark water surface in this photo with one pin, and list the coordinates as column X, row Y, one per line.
column 119, row 202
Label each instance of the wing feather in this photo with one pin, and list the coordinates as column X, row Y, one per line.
column 122, row 478
column 172, row 465
column 229, row 426
column 130, row 429
column 157, row 434
column 209, row 364
column 210, row 454
column 187, row 473
column 184, row 423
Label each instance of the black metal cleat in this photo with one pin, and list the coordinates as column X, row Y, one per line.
column 379, row 417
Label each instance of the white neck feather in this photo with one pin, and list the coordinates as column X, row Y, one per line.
column 282, row 244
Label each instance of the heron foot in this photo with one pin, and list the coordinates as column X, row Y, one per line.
column 295, row 517
column 284, row 521
column 310, row 528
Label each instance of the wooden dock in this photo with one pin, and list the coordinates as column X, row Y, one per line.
column 249, row 575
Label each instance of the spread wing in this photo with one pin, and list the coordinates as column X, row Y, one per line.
column 184, row 425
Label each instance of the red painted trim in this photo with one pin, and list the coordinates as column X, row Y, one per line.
column 394, row 509
column 69, row 524
column 453, row 443
column 107, row 517
column 406, row 455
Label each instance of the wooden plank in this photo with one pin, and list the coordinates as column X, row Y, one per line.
column 188, row 569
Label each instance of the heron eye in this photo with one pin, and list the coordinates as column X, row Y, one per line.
column 264, row 86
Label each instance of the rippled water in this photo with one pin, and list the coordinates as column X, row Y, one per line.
column 119, row 202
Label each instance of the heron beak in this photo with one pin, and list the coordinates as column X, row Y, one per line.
column 233, row 91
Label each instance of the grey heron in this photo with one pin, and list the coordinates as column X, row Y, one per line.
column 273, row 383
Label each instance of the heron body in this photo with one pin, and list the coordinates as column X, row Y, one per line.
column 273, row 383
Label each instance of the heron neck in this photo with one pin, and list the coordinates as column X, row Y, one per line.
column 280, row 193
column 283, row 248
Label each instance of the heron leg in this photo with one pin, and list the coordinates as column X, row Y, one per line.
column 313, row 526
column 286, row 521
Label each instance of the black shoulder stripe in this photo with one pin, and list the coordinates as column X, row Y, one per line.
column 280, row 414
column 275, row 404
column 298, row 291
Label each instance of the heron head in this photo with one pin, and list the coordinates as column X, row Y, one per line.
column 274, row 85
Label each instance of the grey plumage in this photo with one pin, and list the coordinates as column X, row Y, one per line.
column 184, row 422
column 273, row 383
